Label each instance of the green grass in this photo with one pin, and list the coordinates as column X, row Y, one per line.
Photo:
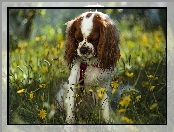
column 37, row 66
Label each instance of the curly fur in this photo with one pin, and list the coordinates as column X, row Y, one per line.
column 107, row 48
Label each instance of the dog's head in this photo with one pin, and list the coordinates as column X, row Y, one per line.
column 92, row 34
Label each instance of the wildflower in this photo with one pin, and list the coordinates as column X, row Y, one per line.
column 114, row 84
column 90, row 90
column 42, row 114
column 144, row 84
column 122, row 110
column 133, row 90
column 15, row 64
column 21, row 91
column 126, row 119
column 76, row 96
column 46, row 51
column 114, row 90
column 78, row 86
column 80, row 102
column 37, row 38
column 61, row 71
column 152, row 88
column 16, row 50
column 112, row 76
column 156, row 78
column 101, row 92
column 53, row 106
column 138, row 98
column 44, row 70
column 22, row 51
column 150, row 76
column 40, row 86
column 153, row 106
column 130, row 44
column 129, row 74
column 125, row 101
column 42, row 97
column 31, row 95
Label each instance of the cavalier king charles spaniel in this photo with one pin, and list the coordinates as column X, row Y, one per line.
column 91, row 51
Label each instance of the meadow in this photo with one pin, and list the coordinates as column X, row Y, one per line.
column 37, row 68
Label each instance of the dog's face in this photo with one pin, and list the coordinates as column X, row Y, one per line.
column 87, row 36
column 93, row 34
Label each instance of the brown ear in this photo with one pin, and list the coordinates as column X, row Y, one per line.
column 108, row 46
column 70, row 44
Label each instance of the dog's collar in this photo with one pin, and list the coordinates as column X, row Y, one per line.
column 83, row 67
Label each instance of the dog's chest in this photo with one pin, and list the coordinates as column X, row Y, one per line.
column 94, row 75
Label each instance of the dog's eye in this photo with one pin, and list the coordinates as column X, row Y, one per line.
column 79, row 39
column 93, row 40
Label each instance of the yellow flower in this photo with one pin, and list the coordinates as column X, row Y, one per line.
column 90, row 90
column 100, row 96
column 15, row 64
column 156, row 78
column 16, row 50
column 138, row 98
column 53, row 106
column 22, row 51
column 80, row 102
column 42, row 114
column 126, row 119
column 76, row 96
column 133, row 90
column 21, row 91
column 42, row 97
column 37, row 38
column 150, row 76
column 44, row 70
column 153, row 106
column 144, row 84
column 130, row 44
column 122, row 110
column 129, row 74
column 114, row 90
column 152, row 88
column 61, row 71
column 112, row 76
column 125, row 101
column 40, row 86
column 46, row 51
column 31, row 95
column 114, row 84
column 100, row 92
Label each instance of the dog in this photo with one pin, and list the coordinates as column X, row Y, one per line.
column 91, row 52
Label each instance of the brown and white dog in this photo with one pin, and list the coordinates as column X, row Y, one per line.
column 91, row 51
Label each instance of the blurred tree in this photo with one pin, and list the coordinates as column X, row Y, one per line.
column 20, row 24
column 149, row 19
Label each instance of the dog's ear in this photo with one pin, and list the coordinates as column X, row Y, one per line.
column 108, row 46
column 71, row 43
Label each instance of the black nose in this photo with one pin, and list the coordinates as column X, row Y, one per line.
column 83, row 50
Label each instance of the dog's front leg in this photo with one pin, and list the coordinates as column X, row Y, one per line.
column 105, row 107
column 72, row 81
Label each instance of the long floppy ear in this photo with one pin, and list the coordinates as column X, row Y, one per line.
column 108, row 46
column 70, row 44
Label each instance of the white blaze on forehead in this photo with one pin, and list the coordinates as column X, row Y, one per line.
column 87, row 24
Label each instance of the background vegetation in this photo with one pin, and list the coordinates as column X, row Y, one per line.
column 37, row 68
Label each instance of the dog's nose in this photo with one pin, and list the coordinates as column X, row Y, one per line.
column 83, row 50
